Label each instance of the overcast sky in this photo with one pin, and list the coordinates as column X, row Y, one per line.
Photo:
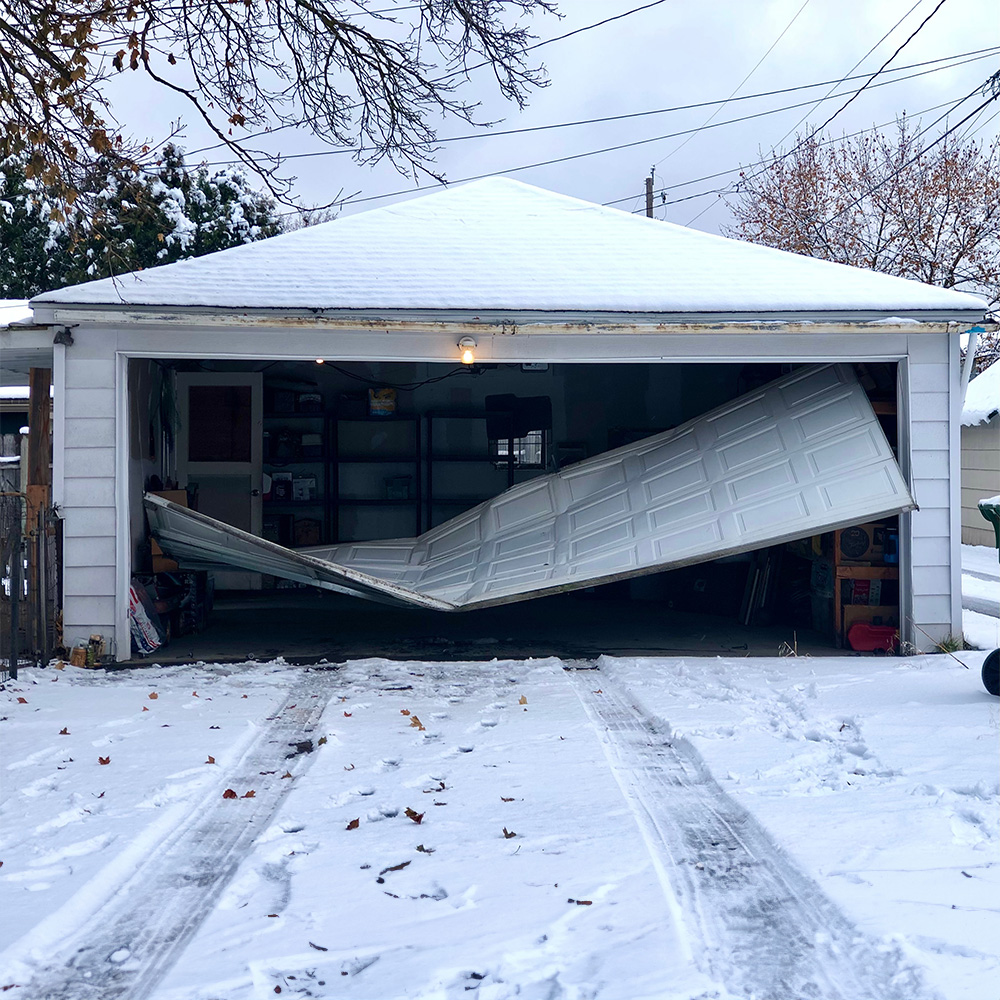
column 678, row 52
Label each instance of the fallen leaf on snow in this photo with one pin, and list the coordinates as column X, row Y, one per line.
column 153, row 696
column 504, row 798
column 415, row 722
column 581, row 902
column 287, row 774
column 347, row 715
column 229, row 794
column 348, row 767
column 194, row 694
column 395, row 868
column 318, row 947
column 523, row 700
column 321, row 741
column 243, row 696
column 22, row 701
column 64, row 731
column 354, row 824
column 431, row 791
column 103, row 760
column 213, row 727
column 145, row 709
column 425, row 850
column 599, row 691
column 250, row 795
column 211, row 759
column 508, row 833
column 414, row 815
column 404, row 711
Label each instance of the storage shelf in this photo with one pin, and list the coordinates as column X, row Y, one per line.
column 295, row 415
column 352, row 444
column 318, row 502
column 845, row 572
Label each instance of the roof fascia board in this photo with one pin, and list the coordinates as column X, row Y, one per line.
column 511, row 323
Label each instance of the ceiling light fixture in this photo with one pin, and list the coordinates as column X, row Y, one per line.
column 467, row 345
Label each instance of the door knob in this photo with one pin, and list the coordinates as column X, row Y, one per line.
column 255, row 493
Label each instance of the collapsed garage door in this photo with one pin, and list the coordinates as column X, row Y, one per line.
column 803, row 455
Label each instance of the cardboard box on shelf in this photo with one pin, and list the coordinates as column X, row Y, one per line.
column 307, row 531
column 161, row 563
column 862, row 543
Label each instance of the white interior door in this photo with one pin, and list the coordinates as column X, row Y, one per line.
column 219, row 450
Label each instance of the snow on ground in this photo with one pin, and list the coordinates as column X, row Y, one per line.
column 528, row 873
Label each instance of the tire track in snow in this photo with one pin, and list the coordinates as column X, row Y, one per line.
column 761, row 927
column 139, row 934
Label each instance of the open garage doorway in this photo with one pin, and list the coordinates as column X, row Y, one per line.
column 353, row 452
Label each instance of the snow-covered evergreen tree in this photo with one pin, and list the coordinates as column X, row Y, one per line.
column 170, row 214
column 135, row 221
column 34, row 235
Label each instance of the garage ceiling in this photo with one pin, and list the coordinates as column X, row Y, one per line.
column 802, row 455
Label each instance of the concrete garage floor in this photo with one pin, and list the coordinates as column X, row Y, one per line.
column 309, row 625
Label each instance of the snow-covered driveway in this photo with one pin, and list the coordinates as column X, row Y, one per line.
column 457, row 829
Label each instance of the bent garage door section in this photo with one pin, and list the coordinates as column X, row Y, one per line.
column 802, row 455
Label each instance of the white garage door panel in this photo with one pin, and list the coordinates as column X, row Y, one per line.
column 802, row 455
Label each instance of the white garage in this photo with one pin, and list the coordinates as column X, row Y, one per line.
column 635, row 398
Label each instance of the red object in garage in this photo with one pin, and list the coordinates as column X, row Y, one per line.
column 865, row 638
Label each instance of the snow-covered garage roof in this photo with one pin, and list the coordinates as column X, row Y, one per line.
column 499, row 244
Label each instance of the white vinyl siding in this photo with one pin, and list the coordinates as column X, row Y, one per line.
column 86, row 478
column 930, row 377
column 87, row 489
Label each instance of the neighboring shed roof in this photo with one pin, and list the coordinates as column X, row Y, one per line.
column 14, row 311
column 983, row 397
column 499, row 244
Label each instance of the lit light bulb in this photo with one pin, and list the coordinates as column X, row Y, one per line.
column 321, row 361
column 467, row 346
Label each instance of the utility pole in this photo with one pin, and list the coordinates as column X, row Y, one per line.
column 649, row 192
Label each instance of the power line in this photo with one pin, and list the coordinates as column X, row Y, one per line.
column 739, row 87
column 464, row 70
column 913, row 35
column 577, row 156
column 951, row 105
column 975, row 55
column 861, row 89
column 851, row 70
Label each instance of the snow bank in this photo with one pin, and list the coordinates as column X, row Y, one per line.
column 983, row 397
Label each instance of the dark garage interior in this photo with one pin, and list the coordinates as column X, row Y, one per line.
column 355, row 451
